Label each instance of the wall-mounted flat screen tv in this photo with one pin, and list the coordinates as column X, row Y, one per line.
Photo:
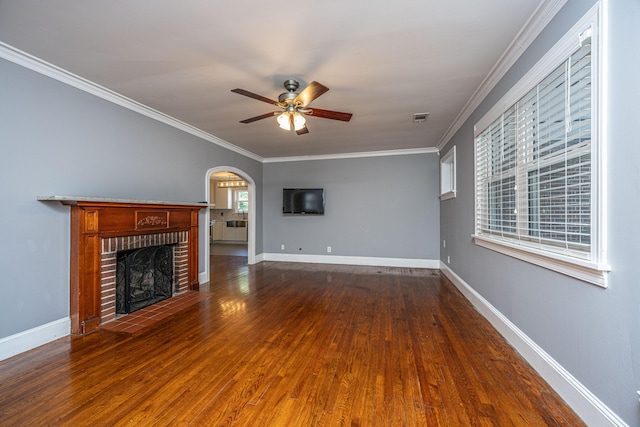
column 303, row 201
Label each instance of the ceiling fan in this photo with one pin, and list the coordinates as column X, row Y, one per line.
column 294, row 106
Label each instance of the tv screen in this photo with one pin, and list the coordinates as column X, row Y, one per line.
column 303, row 201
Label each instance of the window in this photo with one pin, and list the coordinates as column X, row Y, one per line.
column 448, row 175
column 241, row 200
column 538, row 186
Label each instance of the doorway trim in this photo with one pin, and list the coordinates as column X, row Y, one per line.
column 251, row 232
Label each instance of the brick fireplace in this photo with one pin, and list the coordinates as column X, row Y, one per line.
column 108, row 260
column 100, row 228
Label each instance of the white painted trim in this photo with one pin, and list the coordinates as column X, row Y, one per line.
column 38, row 65
column 599, row 202
column 587, row 405
column 448, row 195
column 35, row 337
column 352, row 260
column 584, row 270
column 545, row 12
column 203, row 276
column 409, row 151
column 448, row 175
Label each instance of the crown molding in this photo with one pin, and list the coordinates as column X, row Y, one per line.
column 543, row 14
column 38, row 65
column 409, row 151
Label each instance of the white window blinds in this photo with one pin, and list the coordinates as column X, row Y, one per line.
column 533, row 164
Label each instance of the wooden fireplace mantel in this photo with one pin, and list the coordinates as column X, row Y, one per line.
column 94, row 219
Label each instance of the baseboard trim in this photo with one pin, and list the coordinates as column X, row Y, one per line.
column 591, row 409
column 203, row 277
column 351, row 260
column 35, row 337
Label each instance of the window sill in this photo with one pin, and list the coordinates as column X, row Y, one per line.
column 448, row 195
column 584, row 270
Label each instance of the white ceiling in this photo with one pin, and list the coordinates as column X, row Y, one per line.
column 382, row 60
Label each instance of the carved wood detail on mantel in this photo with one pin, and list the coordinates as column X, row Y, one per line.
column 95, row 219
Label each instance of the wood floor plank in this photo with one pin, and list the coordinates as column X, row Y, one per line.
column 283, row 344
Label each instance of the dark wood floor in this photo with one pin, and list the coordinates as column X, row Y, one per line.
column 227, row 248
column 281, row 344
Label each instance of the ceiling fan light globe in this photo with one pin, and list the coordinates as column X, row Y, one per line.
column 284, row 121
column 298, row 121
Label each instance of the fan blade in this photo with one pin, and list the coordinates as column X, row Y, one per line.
column 310, row 93
column 328, row 114
column 303, row 130
column 256, row 96
column 264, row 116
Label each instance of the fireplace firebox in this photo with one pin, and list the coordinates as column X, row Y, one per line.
column 143, row 277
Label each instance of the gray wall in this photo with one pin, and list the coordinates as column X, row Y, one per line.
column 375, row 207
column 590, row 331
column 59, row 140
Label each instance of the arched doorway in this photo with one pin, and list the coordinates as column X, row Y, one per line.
column 250, row 216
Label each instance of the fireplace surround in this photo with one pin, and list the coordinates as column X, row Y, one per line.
column 102, row 227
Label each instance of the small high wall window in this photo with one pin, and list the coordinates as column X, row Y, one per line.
column 539, row 163
column 448, row 175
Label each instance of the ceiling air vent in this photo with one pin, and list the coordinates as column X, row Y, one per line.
column 420, row 117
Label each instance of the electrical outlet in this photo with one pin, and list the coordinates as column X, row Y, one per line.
column 328, row 249
column 282, row 247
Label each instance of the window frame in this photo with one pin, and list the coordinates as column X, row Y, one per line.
column 593, row 269
column 448, row 186
column 236, row 199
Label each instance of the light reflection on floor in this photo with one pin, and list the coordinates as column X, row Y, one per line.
column 244, row 286
column 233, row 307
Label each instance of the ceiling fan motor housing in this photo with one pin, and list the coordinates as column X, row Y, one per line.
column 287, row 97
column 291, row 85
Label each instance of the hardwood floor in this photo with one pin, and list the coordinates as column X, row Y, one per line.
column 282, row 344
column 236, row 249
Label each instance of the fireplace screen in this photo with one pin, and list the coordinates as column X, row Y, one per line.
column 143, row 277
